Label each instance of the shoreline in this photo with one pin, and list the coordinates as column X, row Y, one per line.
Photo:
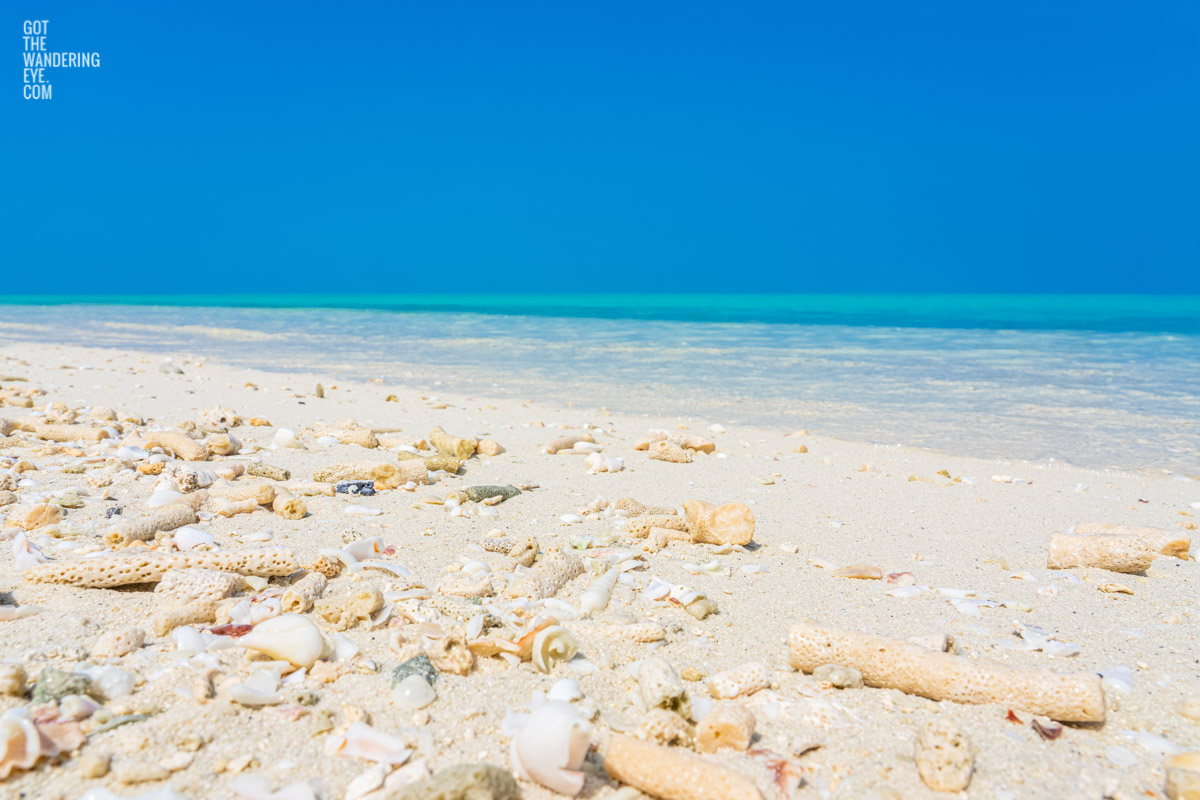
column 841, row 503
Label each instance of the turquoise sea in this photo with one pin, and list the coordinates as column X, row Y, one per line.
column 1095, row 380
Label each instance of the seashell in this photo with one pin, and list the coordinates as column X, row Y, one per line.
column 165, row 497
column 110, row 683
column 77, row 707
column 289, row 637
column 412, row 693
column 25, row 553
column 260, row 689
column 362, row 741
column 598, row 462
column 366, row 548
column 20, row 743
column 565, row 690
column 550, row 747
column 570, row 519
column 908, row 591
column 595, row 598
column 187, row 537
column 8, row 613
column 287, row 438
column 551, row 646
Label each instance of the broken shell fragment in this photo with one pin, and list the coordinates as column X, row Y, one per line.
column 360, row 740
column 868, row 572
column 732, row 523
column 550, row 747
column 289, row 637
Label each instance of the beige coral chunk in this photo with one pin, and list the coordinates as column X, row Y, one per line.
column 261, row 492
column 639, row 528
column 288, row 506
column 547, row 576
column 198, row 584
column 326, row 565
column 66, row 433
column 192, row 613
column 894, row 664
column 566, row 442
column 732, row 523
column 670, row 452
column 458, row 584
column 728, row 724
column 742, row 680
column 1183, row 776
column 1113, row 552
column 229, row 508
column 121, row 570
column 386, row 475
column 363, row 437
column 118, row 642
column 183, row 446
column 28, row 517
column 672, row 773
column 1164, row 542
column 12, row 680
column 456, row 446
column 944, row 757
column 450, row 653
column 347, row 610
column 661, row 726
column 224, row 444
column 692, row 441
column 635, row 509
column 164, row 519
column 301, row 595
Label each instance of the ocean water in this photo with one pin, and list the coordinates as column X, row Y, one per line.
column 1097, row 381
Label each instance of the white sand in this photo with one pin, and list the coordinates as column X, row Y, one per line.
column 841, row 502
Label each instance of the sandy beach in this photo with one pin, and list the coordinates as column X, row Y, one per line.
column 953, row 550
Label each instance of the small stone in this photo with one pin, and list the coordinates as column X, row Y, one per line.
column 412, row 693
column 307, row 698
column 417, row 665
column 1114, row 588
column 170, row 369
column 55, row 684
column 464, row 782
column 93, row 767
column 944, row 757
column 838, row 676
column 690, row 673
column 488, row 447
column 701, row 607
column 478, row 494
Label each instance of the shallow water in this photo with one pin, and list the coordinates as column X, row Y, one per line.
column 1100, row 395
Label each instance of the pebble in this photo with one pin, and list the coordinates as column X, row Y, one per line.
column 417, row 665
column 55, row 684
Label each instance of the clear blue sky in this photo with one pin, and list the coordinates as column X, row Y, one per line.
column 616, row 146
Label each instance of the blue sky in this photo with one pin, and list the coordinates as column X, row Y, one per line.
column 617, row 146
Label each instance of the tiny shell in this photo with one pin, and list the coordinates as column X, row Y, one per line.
column 286, row 437
column 551, row 646
column 868, row 572
column 187, row 537
column 260, row 689
column 362, row 741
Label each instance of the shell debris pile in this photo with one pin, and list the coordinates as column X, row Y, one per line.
column 202, row 602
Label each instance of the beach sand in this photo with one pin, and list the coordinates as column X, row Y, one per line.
column 981, row 526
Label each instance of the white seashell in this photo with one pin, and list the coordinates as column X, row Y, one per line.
column 110, row 683
column 286, row 437
column 21, row 742
column 130, row 453
column 363, row 549
column 412, row 693
column 327, row 441
column 656, row 590
column 383, row 566
column 565, row 691
column 1148, row 741
column 341, row 555
column 908, row 591
column 474, row 627
column 26, row 553
column 187, row 537
column 598, row 462
column 595, row 598
column 189, row 640
column 550, row 748
column 362, row 511
column 260, row 689
column 256, row 787
column 289, row 637
column 76, row 707
column 570, row 519
column 551, row 646
column 586, row 447
column 1120, row 756
column 343, row 646
column 1058, row 649
column 366, row 782
column 362, row 741
column 164, row 497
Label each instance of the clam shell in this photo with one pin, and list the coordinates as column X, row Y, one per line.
column 289, row 637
